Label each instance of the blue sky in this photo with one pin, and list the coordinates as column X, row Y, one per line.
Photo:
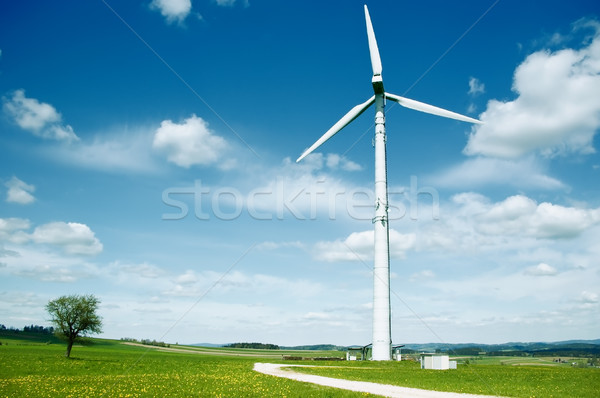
column 148, row 148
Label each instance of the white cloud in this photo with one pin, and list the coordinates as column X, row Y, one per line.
column 52, row 273
column 196, row 284
column 316, row 316
column 335, row 161
column 477, row 172
column 73, row 238
column 143, row 270
column 12, row 229
column 187, row 278
column 520, row 215
column 191, row 143
column 270, row 245
column 110, row 151
column 231, row 3
column 557, row 110
column 422, row 275
column 305, row 191
column 317, row 161
column 19, row 192
column 588, row 297
column 542, row 269
column 173, row 10
column 358, row 246
column 472, row 223
column 476, row 87
column 39, row 118
column 48, row 266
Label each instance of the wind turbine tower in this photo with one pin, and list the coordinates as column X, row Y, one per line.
column 382, row 332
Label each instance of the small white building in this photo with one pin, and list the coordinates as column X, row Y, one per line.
column 397, row 352
column 436, row 361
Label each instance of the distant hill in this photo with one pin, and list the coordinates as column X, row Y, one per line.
column 560, row 348
column 597, row 341
column 557, row 348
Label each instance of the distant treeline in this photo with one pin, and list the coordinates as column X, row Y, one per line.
column 566, row 350
column 32, row 329
column 317, row 347
column 146, row 342
column 257, row 346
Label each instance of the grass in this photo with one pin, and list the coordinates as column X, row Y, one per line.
column 520, row 360
column 510, row 381
column 108, row 368
column 247, row 352
column 111, row 369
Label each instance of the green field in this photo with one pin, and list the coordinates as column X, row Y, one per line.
column 107, row 368
column 112, row 369
column 521, row 361
column 525, row 380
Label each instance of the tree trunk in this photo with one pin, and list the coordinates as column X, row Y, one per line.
column 69, row 346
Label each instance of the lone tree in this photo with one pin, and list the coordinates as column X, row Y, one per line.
column 74, row 316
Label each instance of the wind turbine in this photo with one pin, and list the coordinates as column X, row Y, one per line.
column 382, row 339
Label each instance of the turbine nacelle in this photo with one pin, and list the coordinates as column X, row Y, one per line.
column 377, row 82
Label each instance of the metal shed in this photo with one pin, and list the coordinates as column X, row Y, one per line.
column 435, row 361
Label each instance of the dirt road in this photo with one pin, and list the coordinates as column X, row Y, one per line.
column 385, row 390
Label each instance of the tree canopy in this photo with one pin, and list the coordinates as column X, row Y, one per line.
column 259, row 346
column 75, row 316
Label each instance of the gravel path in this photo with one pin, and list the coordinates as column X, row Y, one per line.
column 385, row 390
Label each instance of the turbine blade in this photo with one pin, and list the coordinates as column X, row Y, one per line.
column 373, row 49
column 343, row 122
column 434, row 110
